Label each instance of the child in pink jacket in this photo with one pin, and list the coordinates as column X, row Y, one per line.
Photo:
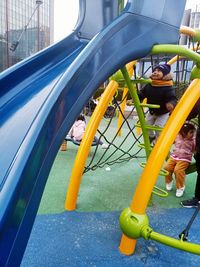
column 180, row 158
column 78, row 129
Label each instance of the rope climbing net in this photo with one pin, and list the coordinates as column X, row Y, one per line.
column 119, row 149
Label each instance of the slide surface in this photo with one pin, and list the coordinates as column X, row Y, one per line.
column 39, row 100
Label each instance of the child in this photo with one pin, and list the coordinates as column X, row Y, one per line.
column 195, row 200
column 78, row 129
column 159, row 92
column 180, row 158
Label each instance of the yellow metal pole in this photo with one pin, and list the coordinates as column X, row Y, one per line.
column 155, row 161
column 75, row 179
column 130, row 66
column 187, row 31
column 163, row 145
column 122, row 108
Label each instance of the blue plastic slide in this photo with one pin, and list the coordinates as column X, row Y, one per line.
column 41, row 97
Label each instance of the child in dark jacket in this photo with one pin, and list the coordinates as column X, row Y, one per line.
column 159, row 92
column 180, row 158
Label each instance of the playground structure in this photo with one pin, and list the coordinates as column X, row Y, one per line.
column 127, row 221
column 51, row 88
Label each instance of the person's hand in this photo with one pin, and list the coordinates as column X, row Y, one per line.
column 169, row 106
column 129, row 102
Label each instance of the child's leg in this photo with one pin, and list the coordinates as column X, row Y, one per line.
column 179, row 172
column 98, row 141
column 160, row 122
column 170, row 165
column 63, row 147
column 150, row 119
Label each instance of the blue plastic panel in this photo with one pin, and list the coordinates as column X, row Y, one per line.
column 41, row 97
column 97, row 14
column 167, row 11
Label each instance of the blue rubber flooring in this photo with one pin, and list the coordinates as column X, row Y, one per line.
column 92, row 238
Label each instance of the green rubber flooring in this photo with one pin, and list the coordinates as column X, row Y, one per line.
column 102, row 189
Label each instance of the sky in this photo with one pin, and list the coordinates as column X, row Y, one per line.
column 65, row 17
column 66, row 14
column 192, row 4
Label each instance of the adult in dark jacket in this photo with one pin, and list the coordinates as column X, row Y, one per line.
column 159, row 92
column 193, row 202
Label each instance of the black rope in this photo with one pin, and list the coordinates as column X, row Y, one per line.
column 185, row 70
column 126, row 155
column 152, row 64
column 102, row 163
column 184, row 234
column 177, row 81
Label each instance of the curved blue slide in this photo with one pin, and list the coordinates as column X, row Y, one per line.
column 41, row 97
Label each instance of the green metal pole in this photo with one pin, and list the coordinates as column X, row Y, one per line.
column 177, row 50
column 172, row 242
column 120, row 6
column 133, row 93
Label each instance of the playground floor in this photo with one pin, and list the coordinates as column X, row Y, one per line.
column 90, row 236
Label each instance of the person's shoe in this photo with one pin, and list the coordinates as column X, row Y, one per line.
column 104, row 146
column 151, row 139
column 169, row 186
column 63, row 147
column 190, row 203
column 180, row 191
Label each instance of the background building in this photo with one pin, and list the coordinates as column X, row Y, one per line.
column 195, row 20
column 185, row 22
column 182, row 69
column 26, row 26
column 191, row 18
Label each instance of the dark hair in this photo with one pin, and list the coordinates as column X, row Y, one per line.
column 186, row 128
column 80, row 118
